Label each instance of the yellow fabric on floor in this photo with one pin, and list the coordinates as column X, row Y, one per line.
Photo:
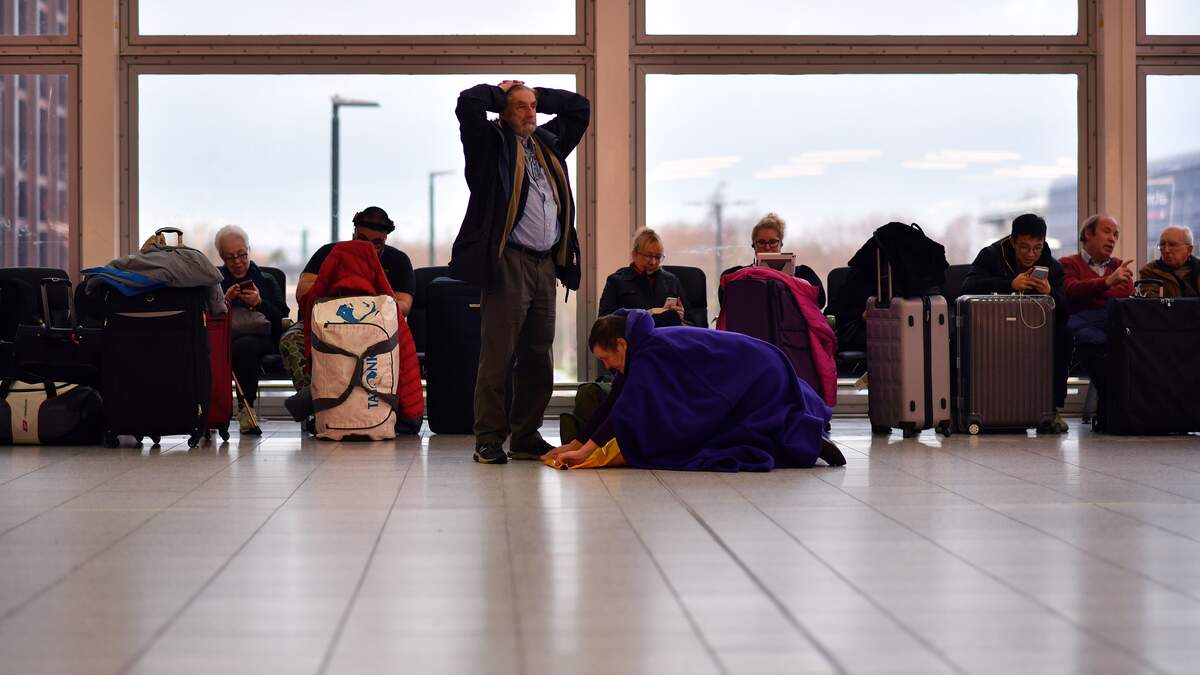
column 607, row 455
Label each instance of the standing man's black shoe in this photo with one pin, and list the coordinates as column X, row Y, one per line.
column 490, row 453
column 532, row 452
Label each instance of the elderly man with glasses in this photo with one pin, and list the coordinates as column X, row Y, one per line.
column 1176, row 267
column 1007, row 266
column 644, row 284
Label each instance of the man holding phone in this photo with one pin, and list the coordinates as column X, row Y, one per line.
column 1022, row 263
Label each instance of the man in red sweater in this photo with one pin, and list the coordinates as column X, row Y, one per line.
column 1090, row 278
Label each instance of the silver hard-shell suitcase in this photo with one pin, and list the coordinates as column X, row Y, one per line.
column 1005, row 362
column 908, row 361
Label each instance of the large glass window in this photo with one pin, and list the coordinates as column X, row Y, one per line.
column 1172, row 155
column 34, row 232
column 27, row 18
column 862, row 17
column 836, row 156
column 255, row 151
column 356, row 17
column 1172, row 17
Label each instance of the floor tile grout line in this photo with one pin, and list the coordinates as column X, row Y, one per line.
column 63, row 503
column 1099, row 505
column 779, row 604
column 166, row 625
column 880, row 607
column 687, row 613
column 75, row 568
column 518, row 627
column 327, row 658
column 1114, row 477
column 47, row 465
column 1096, row 556
column 997, row 578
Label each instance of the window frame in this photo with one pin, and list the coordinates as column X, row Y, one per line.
column 69, row 67
column 1083, row 69
column 826, row 44
column 1143, row 168
column 34, row 44
column 585, row 175
column 134, row 41
column 1159, row 44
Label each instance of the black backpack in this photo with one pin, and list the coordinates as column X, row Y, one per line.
column 918, row 263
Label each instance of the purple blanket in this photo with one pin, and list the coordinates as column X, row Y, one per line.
column 703, row 400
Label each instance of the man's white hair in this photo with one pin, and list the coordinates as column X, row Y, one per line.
column 229, row 230
column 1187, row 233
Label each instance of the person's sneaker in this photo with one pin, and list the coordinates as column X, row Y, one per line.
column 533, row 452
column 490, row 453
column 831, row 454
column 1055, row 426
column 245, row 425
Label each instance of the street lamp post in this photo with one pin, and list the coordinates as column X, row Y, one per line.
column 433, row 175
column 335, row 141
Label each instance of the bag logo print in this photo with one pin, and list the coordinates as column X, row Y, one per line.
column 346, row 312
column 370, row 374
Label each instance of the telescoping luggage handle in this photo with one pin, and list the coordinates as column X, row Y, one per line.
column 882, row 300
column 47, row 282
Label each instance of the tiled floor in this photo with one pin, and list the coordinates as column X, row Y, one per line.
column 1000, row 554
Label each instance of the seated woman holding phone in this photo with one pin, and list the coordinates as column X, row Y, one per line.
column 644, row 284
column 257, row 314
column 692, row 399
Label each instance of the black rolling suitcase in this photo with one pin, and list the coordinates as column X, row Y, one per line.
column 451, row 355
column 1153, row 366
column 156, row 378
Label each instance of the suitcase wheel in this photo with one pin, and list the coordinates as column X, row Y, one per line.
column 138, row 439
column 944, row 428
column 224, row 432
column 155, row 439
column 974, row 429
column 910, row 431
column 880, row 430
column 193, row 440
column 110, row 440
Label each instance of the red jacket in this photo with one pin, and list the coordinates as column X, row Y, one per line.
column 1085, row 289
column 353, row 268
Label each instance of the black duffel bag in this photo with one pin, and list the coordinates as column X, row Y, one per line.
column 49, row 414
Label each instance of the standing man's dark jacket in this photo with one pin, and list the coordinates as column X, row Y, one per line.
column 996, row 266
column 495, row 173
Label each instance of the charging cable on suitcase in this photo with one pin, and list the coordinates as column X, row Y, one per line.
column 1025, row 300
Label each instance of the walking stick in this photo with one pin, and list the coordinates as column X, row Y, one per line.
column 245, row 401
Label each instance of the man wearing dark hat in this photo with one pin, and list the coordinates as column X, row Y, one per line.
column 372, row 225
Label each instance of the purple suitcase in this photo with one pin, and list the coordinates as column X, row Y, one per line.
column 767, row 310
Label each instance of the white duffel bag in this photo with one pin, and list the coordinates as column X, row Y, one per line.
column 355, row 367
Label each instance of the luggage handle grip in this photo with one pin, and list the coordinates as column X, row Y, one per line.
column 171, row 230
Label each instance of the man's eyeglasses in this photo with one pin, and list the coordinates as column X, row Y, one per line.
column 1022, row 248
column 650, row 256
column 767, row 243
column 240, row 255
column 1170, row 244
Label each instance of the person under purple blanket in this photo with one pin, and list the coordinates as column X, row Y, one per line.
column 694, row 399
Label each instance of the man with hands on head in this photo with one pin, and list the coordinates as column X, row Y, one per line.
column 516, row 240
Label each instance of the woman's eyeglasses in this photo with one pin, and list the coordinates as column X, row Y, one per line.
column 650, row 256
column 767, row 243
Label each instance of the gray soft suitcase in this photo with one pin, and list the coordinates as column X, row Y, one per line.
column 908, row 362
column 1005, row 362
